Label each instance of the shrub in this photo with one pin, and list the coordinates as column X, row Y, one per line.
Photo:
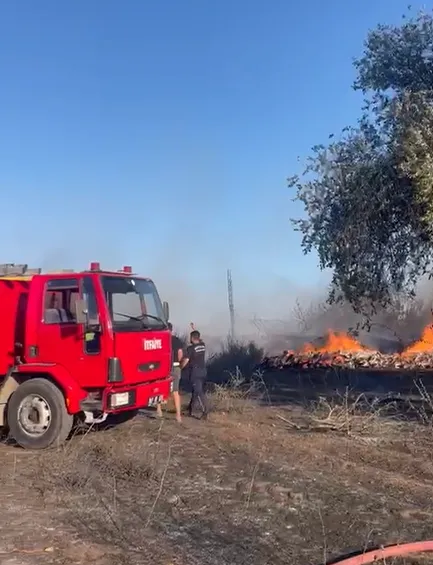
column 235, row 357
column 239, row 394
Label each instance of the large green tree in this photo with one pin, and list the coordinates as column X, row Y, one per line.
column 368, row 197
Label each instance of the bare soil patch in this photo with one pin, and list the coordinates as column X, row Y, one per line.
column 255, row 484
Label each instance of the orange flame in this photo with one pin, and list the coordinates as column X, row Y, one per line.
column 336, row 343
column 343, row 343
column 307, row 348
column 425, row 344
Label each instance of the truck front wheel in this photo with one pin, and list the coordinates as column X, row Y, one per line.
column 37, row 415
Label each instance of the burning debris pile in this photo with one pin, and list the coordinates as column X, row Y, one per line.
column 343, row 351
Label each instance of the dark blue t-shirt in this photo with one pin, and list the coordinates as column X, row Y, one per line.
column 196, row 353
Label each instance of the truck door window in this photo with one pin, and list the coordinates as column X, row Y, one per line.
column 90, row 296
column 92, row 339
column 59, row 301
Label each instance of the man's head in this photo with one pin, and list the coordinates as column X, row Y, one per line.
column 194, row 336
column 170, row 326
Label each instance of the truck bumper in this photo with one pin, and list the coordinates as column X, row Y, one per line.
column 120, row 398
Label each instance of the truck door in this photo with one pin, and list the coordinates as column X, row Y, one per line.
column 62, row 340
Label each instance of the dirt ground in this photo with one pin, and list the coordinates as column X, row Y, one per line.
column 259, row 483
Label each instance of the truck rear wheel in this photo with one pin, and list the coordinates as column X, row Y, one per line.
column 37, row 415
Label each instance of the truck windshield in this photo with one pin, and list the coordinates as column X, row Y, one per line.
column 133, row 303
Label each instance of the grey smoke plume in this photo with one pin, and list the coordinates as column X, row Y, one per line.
column 278, row 315
column 391, row 329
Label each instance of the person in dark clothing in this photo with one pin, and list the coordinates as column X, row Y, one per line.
column 195, row 361
column 177, row 355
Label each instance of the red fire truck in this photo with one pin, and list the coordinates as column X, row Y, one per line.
column 78, row 346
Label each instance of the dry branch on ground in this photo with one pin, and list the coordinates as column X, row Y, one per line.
column 348, row 360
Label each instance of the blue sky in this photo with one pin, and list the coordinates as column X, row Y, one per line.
column 160, row 134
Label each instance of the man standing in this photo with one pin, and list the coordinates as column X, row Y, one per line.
column 195, row 360
column 177, row 354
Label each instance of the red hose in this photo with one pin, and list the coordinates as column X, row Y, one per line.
column 390, row 551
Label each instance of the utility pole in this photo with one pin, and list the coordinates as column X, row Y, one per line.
column 231, row 304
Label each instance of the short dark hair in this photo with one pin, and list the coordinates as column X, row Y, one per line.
column 194, row 334
column 170, row 326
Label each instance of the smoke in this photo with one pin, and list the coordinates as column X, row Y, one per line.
column 205, row 302
column 278, row 316
column 189, row 266
column 391, row 329
column 191, row 274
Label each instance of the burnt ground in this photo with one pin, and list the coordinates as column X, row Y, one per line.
column 297, row 386
column 267, row 480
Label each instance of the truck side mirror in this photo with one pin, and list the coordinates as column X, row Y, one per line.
column 166, row 310
column 81, row 311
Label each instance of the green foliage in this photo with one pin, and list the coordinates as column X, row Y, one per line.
column 234, row 358
column 368, row 197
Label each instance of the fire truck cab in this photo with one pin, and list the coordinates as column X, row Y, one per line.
column 78, row 346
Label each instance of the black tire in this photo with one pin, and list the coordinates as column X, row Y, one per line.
column 60, row 422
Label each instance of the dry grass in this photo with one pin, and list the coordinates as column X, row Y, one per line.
column 109, row 485
column 347, row 413
column 238, row 393
column 424, row 407
column 256, row 484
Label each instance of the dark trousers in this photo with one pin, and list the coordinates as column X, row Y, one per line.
column 198, row 397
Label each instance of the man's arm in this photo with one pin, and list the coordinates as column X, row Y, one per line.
column 179, row 354
column 185, row 358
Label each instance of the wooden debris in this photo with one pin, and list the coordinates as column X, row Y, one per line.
column 349, row 360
